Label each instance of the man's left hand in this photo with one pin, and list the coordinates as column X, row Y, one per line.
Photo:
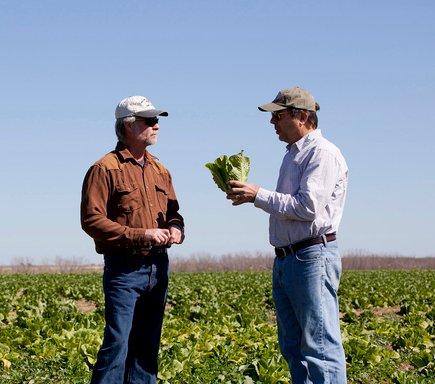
column 176, row 235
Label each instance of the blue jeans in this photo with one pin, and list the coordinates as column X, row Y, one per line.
column 305, row 294
column 135, row 289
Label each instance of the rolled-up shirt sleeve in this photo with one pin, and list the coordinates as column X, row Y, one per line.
column 317, row 183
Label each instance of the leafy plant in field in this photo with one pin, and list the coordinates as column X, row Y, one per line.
column 219, row 328
column 388, row 324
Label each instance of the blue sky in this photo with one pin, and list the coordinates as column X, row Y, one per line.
column 65, row 65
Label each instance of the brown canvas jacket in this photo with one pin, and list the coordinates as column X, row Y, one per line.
column 121, row 199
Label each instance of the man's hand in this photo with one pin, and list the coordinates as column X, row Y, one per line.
column 176, row 235
column 157, row 236
column 241, row 193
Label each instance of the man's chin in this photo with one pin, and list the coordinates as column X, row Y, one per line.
column 152, row 141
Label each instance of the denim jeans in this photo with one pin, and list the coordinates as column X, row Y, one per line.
column 135, row 289
column 305, row 287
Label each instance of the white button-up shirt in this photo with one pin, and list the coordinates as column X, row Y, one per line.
column 310, row 193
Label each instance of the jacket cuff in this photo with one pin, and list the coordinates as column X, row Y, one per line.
column 137, row 238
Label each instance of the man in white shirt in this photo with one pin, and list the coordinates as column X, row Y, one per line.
column 305, row 212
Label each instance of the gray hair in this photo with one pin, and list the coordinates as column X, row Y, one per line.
column 313, row 119
column 311, row 115
column 119, row 126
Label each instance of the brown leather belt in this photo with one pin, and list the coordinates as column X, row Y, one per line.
column 292, row 248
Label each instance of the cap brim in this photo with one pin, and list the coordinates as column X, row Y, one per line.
column 151, row 113
column 271, row 107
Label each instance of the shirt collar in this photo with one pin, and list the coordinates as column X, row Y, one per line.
column 303, row 141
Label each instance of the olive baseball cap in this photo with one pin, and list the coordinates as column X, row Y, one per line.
column 137, row 106
column 291, row 98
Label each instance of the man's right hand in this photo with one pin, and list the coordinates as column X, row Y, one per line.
column 241, row 193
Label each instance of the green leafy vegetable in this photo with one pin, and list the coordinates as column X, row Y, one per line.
column 224, row 168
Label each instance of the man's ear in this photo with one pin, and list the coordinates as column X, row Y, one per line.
column 127, row 124
column 303, row 117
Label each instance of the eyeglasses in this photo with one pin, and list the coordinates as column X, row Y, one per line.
column 150, row 121
column 277, row 115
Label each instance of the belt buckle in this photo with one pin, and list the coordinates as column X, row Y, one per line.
column 139, row 251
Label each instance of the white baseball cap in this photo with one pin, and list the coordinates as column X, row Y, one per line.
column 137, row 106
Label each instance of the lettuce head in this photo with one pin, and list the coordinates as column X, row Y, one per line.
column 224, row 168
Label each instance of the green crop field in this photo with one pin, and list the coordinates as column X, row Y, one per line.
column 219, row 328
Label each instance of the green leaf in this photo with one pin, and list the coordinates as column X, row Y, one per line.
column 224, row 169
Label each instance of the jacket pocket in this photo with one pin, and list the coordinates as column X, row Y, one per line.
column 128, row 197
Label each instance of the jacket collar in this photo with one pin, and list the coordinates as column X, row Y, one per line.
column 126, row 155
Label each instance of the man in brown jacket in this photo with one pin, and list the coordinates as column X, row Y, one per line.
column 130, row 209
